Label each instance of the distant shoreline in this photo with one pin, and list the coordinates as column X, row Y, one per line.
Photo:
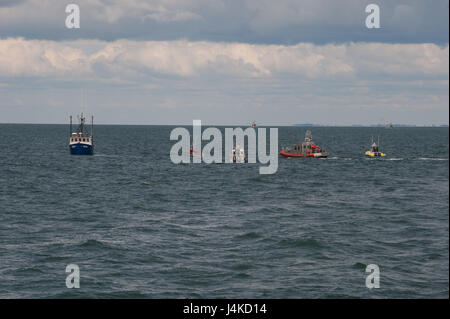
column 372, row 125
column 246, row 125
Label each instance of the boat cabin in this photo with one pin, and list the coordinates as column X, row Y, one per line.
column 79, row 138
column 375, row 148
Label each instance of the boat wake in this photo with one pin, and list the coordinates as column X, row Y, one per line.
column 432, row 159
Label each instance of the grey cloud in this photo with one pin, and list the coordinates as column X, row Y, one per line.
column 251, row 21
column 10, row 3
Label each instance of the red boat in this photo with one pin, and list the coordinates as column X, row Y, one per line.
column 305, row 149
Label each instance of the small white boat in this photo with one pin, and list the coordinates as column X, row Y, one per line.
column 238, row 155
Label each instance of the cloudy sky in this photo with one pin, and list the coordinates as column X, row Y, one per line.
column 225, row 62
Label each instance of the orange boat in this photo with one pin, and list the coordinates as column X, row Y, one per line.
column 305, row 149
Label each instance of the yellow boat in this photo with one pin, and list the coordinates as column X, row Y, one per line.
column 374, row 152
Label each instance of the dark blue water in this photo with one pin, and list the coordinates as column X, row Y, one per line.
column 139, row 226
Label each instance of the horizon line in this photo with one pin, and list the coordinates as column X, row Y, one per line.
column 396, row 125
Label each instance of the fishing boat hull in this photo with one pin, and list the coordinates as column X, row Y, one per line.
column 313, row 155
column 81, row 149
column 375, row 154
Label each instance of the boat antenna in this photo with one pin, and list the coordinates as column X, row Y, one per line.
column 83, row 104
column 92, row 125
column 70, row 126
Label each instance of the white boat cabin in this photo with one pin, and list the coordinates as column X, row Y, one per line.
column 80, row 139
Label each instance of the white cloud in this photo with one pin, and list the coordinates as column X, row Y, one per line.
column 134, row 60
column 19, row 57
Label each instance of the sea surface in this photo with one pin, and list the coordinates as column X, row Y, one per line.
column 139, row 226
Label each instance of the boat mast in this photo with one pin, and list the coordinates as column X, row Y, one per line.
column 82, row 109
column 92, row 125
column 70, row 126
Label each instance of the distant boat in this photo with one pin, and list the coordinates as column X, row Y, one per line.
column 374, row 151
column 238, row 155
column 390, row 125
column 253, row 124
column 305, row 149
column 195, row 152
column 81, row 142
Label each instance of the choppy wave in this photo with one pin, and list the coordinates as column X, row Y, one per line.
column 301, row 242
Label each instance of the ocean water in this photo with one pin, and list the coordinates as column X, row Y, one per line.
column 139, row 226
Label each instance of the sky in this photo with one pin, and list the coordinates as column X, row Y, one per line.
column 226, row 62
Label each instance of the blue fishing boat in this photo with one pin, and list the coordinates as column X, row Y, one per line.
column 81, row 142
